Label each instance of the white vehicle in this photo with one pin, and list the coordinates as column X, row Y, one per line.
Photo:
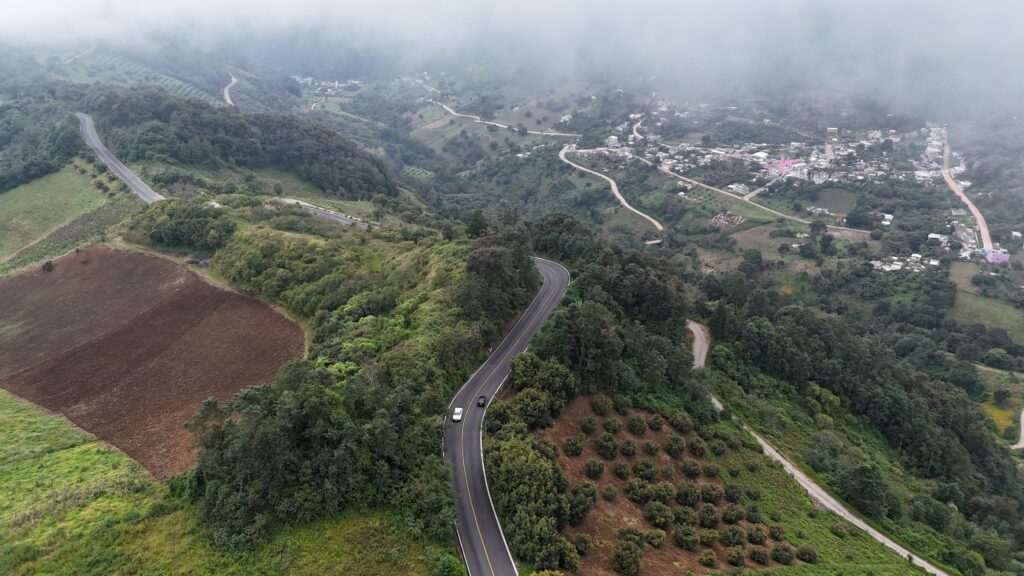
column 457, row 415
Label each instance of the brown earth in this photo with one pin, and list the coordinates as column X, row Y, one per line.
column 127, row 346
column 606, row 518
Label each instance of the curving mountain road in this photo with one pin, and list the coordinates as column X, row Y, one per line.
column 338, row 217
column 615, row 188
column 127, row 176
column 483, row 543
column 701, row 343
column 227, row 91
column 478, row 120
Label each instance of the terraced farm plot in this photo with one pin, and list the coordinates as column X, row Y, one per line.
column 30, row 211
column 127, row 346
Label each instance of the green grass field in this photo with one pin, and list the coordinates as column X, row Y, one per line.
column 72, row 505
column 974, row 309
column 32, row 210
column 838, row 200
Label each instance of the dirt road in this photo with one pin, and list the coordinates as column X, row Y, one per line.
column 701, row 343
column 227, row 91
column 478, row 120
column 615, row 188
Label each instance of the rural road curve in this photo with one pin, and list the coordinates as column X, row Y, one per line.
column 479, row 120
column 693, row 182
column 227, row 90
column 127, row 176
column 324, row 212
column 701, row 343
column 483, row 543
column 615, row 187
column 1020, row 441
column 986, row 238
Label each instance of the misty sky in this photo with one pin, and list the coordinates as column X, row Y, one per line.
column 889, row 46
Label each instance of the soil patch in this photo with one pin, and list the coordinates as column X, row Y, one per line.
column 127, row 346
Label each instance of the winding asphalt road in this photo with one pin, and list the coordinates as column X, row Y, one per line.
column 127, row 176
column 483, row 543
column 701, row 343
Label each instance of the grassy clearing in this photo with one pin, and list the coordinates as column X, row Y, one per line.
column 960, row 273
column 1003, row 415
column 30, row 211
column 838, row 200
column 974, row 309
column 73, row 506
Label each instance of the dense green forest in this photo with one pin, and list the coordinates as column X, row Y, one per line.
column 37, row 134
column 149, row 124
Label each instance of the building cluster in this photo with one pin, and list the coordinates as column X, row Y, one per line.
column 327, row 88
column 912, row 263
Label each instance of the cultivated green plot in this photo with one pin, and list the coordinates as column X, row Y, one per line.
column 30, row 211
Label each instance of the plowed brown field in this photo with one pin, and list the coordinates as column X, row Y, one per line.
column 127, row 346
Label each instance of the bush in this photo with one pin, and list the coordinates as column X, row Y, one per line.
column 574, row 446
column 733, row 493
column 688, row 494
column 656, row 423
column 707, row 516
column 733, row 513
column 753, row 514
column 606, row 446
column 581, row 500
column 681, row 422
column 584, row 543
column 588, row 425
column 717, row 447
column 48, row 266
column 807, row 554
column 711, row 471
column 777, row 532
column 732, row 536
column 707, row 537
column 637, row 425
column 646, row 470
column 447, row 565
column 658, row 514
column 698, row 447
column 650, row 448
column 685, row 537
column 655, row 537
column 735, row 556
column 690, row 467
column 675, row 446
column 612, row 425
column 753, row 493
column 638, row 491
column 609, row 493
column 628, row 449
column 707, row 558
column 601, row 405
column 622, row 404
column 756, row 535
column 593, row 469
column 621, row 470
column 782, row 553
column 631, row 535
column 667, row 471
column 626, row 558
column 685, row 516
column 710, row 493
column 759, row 555
column 663, row 492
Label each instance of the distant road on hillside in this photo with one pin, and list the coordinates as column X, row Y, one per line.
column 480, row 535
column 227, row 91
column 324, row 212
column 615, row 188
column 479, row 120
column 127, row 176
column 701, row 344
column 986, row 238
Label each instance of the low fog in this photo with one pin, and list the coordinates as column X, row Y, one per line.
column 918, row 53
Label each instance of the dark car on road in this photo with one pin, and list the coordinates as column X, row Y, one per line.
column 481, row 401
